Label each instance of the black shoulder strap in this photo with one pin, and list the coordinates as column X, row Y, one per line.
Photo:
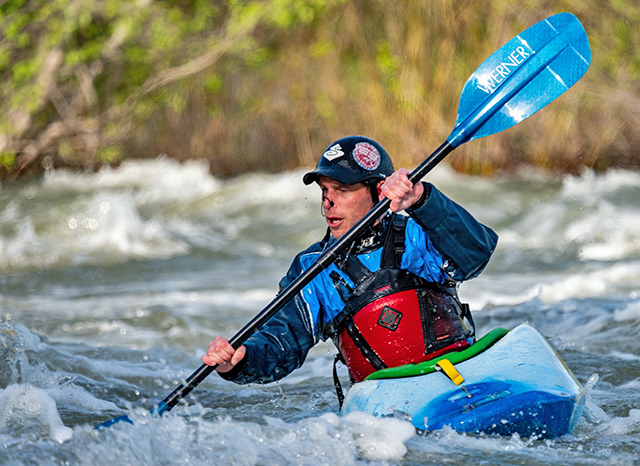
column 392, row 251
column 393, row 248
column 355, row 270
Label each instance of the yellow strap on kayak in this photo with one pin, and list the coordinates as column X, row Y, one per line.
column 450, row 371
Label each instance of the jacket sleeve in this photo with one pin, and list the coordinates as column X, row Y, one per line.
column 464, row 242
column 281, row 345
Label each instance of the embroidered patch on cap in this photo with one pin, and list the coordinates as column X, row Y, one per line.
column 366, row 155
column 333, row 152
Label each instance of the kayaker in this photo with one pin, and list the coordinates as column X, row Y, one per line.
column 391, row 298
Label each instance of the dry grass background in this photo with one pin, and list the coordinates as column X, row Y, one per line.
column 271, row 93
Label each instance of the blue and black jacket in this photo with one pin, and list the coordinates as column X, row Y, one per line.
column 442, row 242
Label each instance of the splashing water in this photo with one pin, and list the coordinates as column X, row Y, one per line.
column 113, row 283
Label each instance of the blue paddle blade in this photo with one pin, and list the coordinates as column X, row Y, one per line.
column 115, row 420
column 523, row 76
column 158, row 411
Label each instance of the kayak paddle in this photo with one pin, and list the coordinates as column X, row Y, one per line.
column 520, row 78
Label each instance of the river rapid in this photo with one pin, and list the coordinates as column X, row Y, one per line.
column 113, row 283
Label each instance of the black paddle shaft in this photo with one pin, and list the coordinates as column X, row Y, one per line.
column 326, row 259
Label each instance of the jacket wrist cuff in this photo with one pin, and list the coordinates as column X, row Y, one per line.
column 235, row 372
column 425, row 195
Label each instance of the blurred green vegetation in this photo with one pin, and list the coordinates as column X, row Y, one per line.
column 266, row 85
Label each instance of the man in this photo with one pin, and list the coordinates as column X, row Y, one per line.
column 390, row 298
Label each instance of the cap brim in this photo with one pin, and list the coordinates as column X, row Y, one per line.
column 335, row 173
column 310, row 177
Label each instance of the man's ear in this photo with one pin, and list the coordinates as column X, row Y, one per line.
column 379, row 187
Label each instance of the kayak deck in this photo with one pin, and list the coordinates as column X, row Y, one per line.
column 512, row 383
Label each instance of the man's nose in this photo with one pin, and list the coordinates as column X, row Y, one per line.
column 326, row 201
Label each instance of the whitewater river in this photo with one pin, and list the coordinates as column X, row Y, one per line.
column 113, row 283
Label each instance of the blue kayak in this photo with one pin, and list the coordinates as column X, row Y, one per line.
column 507, row 382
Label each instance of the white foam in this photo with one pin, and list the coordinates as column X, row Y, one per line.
column 159, row 179
column 26, row 410
column 105, row 227
column 607, row 232
column 630, row 312
column 326, row 439
column 111, row 224
column 508, row 287
column 379, row 439
column 111, row 215
column 79, row 398
column 589, row 184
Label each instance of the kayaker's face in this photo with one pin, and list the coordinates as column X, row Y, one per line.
column 343, row 205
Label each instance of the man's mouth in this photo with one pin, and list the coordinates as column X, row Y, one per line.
column 333, row 221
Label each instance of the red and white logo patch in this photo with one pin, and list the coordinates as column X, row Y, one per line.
column 366, row 155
